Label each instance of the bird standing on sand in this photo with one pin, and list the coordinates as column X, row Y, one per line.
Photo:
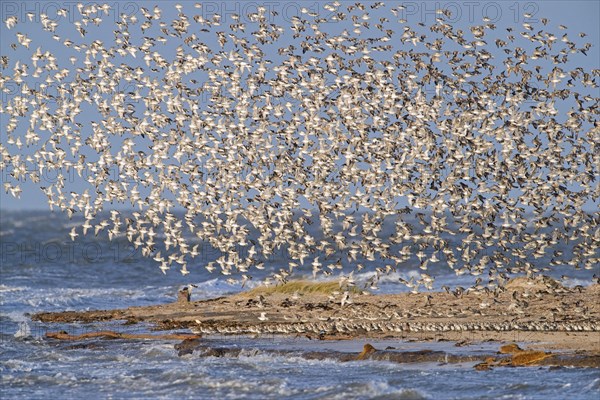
column 263, row 317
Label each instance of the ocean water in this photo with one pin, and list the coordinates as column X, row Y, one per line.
column 43, row 270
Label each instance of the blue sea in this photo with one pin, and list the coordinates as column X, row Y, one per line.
column 42, row 269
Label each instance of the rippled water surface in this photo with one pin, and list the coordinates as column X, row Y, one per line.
column 43, row 270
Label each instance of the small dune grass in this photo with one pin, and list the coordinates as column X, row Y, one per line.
column 303, row 287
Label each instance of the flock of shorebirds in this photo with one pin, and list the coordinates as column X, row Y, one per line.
column 482, row 145
column 328, row 328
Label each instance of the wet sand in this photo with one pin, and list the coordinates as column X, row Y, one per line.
column 543, row 314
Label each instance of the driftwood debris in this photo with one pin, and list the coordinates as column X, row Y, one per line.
column 62, row 335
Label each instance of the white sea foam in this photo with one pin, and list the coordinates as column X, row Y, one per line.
column 75, row 296
column 9, row 289
column 37, row 298
column 15, row 316
column 216, row 287
column 593, row 386
column 17, row 365
column 255, row 356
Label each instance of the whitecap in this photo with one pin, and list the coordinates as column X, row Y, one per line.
column 16, row 365
column 15, row 316
column 9, row 289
